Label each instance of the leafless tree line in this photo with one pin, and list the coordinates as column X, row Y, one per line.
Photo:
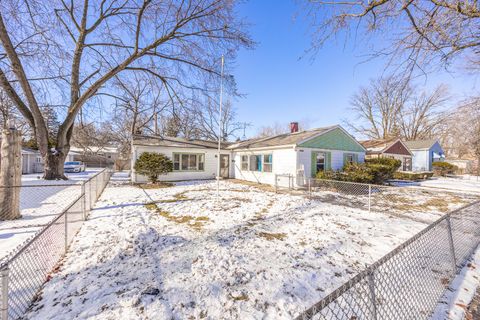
column 68, row 52
column 393, row 107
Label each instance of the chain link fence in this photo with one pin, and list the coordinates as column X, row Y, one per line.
column 284, row 182
column 383, row 198
column 23, row 272
column 409, row 281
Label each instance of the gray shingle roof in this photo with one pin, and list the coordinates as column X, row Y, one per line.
column 175, row 142
column 420, row 144
column 281, row 139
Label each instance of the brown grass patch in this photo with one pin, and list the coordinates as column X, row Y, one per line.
column 196, row 223
column 273, row 236
column 241, row 297
column 158, row 185
column 151, row 206
column 260, row 186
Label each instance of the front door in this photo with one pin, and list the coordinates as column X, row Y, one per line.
column 224, row 165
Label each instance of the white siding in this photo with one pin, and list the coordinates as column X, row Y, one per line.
column 209, row 172
column 420, row 161
column 283, row 162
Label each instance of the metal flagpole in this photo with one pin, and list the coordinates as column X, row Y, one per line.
column 219, row 130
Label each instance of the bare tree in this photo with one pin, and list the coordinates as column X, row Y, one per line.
column 392, row 107
column 207, row 120
column 9, row 112
column 280, row 128
column 420, row 33
column 423, row 116
column 92, row 138
column 52, row 47
column 462, row 131
column 377, row 107
column 139, row 101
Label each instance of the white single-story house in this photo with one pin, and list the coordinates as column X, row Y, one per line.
column 425, row 152
column 298, row 154
column 389, row 148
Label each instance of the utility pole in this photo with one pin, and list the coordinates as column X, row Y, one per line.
column 220, row 129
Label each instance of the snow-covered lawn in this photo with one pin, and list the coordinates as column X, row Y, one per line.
column 418, row 203
column 454, row 303
column 179, row 253
column 466, row 185
column 40, row 202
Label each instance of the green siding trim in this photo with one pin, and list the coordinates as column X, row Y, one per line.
column 333, row 140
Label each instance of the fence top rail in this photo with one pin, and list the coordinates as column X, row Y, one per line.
column 23, row 246
column 371, row 268
column 353, row 183
column 66, row 184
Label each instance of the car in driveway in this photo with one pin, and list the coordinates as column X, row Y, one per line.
column 74, row 166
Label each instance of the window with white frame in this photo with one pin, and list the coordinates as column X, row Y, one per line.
column 244, row 163
column 267, row 163
column 188, row 162
column 349, row 158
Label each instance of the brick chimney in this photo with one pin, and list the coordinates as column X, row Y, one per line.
column 293, row 127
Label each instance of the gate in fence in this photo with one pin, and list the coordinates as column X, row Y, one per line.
column 409, row 281
column 23, row 273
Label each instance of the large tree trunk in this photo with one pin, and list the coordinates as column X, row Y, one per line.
column 54, row 166
column 10, row 174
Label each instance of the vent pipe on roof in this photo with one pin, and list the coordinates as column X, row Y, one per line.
column 293, row 127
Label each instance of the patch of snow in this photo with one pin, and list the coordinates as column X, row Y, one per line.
column 454, row 303
column 41, row 201
column 251, row 254
column 453, row 184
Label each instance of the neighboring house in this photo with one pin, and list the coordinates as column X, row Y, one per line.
column 425, row 152
column 32, row 161
column 391, row 148
column 94, row 156
column 298, row 154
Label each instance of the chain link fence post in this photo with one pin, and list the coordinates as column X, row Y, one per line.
column 371, row 288
column 452, row 247
column 310, row 188
column 4, row 284
column 84, row 202
column 276, row 183
column 369, row 198
column 66, row 231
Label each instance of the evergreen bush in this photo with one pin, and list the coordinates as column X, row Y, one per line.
column 152, row 164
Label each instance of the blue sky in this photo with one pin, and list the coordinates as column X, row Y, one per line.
column 281, row 87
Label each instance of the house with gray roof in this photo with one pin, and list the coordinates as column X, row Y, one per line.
column 424, row 153
column 297, row 154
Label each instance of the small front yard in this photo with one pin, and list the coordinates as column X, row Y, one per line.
column 179, row 252
column 41, row 201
